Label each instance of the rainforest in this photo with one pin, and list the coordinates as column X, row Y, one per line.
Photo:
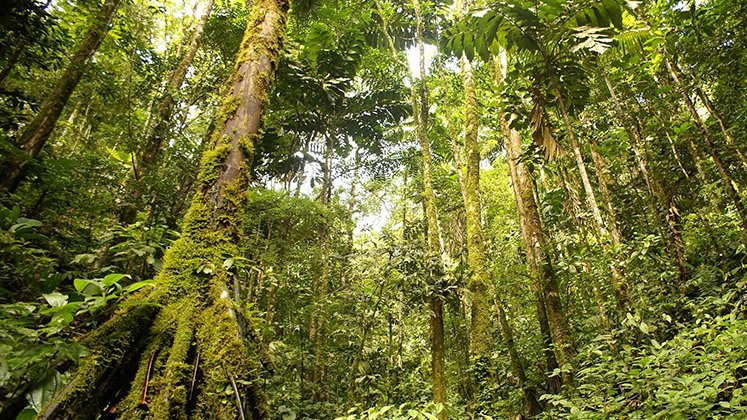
column 373, row 209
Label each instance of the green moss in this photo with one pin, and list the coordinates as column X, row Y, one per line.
column 211, row 231
column 130, row 407
column 226, row 356
column 107, row 346
column 211, row 165
column 480, row 337
column 171, row 398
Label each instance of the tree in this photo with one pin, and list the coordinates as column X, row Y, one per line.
column 419, row 94
column 34, row 136
column 194, row 275
column 159, row 126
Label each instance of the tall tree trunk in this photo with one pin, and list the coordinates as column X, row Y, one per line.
column 722, row 124
column 545, row 286
column 517, row 366
column 318, row 317
column 320, row 286
column 434, row 233
column 671, row 211
column 326, row 193
column 725, row 176
column 353, row 201
column 165, row 108
column 621, row 289
column 537, row 257
column 619, row 285
column 159, row 124
column 604, row 181
column 186, row 308
column 420, row 108
column 591, row 199
column 301, row 176
column 34, row 136
column 480, row 343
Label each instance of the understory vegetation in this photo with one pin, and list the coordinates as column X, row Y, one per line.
column 373, row 209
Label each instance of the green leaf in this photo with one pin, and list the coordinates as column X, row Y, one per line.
column 4, row 373
column 720, row 378
column 55, row 299
column 26, row 414
column 120, row 156
column 139, row 285
column 113, row 278
column 88, row 287
column 44, row 389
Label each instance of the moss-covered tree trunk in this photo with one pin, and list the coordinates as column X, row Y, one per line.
column 420, row 108
column 190, row 322
column 158, row 126
column 431, row 216
column 480, row 337
column 537, row 258
column 35, row 134
column 538, row 261
column 524, row 197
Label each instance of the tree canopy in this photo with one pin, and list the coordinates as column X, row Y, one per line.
column 373, row 209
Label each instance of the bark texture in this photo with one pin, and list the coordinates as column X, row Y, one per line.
column 151, row 345
column 545, row 286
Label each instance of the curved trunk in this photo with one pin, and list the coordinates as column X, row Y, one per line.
column 34, row 136
column 191, row 305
